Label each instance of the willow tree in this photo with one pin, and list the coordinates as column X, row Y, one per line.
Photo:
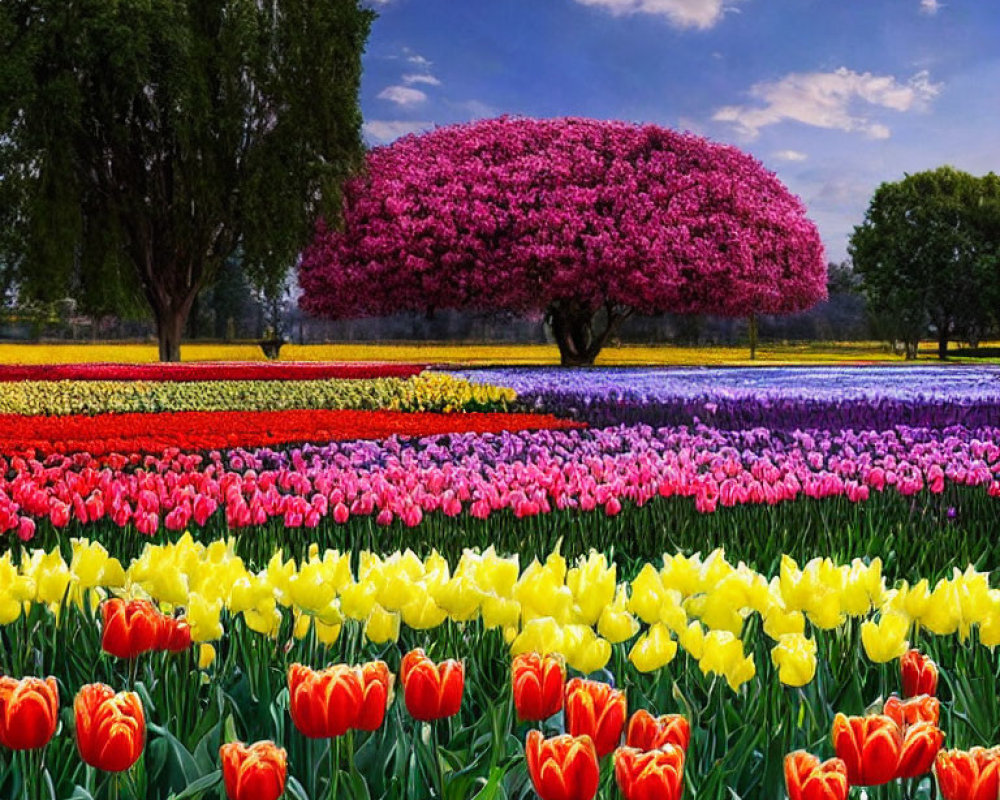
column 144, row 141
column 587, row 222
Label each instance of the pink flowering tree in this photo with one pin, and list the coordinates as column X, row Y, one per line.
column 588, row 222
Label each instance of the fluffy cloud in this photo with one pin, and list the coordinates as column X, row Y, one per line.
column 701, row 14
column 790, row 155
column 383, row 131
column 830, row 100
column 430, row 80
column 930, row 6
column 402, row 95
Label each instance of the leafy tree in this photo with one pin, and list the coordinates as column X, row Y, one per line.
column 927, row 253
column 588, row 222
column 143, row 141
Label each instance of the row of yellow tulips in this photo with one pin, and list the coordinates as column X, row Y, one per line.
column 429, row 391
column 580, row 611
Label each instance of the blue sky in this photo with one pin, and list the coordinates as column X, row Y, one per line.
column 835, row 96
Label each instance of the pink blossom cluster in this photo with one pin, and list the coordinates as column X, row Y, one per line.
column 526, row 473
column 517, row 213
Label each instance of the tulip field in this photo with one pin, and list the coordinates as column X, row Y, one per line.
column 384, row 582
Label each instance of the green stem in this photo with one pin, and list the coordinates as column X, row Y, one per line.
column 334, row 766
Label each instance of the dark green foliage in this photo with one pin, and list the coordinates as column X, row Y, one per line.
column 143, row 141
column 928, row 252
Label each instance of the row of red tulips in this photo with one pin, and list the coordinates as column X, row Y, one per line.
column 204, row 371
column 102, row 434
column 903, row 742
column 110, row 727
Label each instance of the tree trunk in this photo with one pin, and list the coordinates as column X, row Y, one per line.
column 573, row 323
column 169, row 331
column 943, row 342
column 753, row 337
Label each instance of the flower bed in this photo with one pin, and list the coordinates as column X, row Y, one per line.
column 102, row 434
column 527, row 473
column 425, row 392
column 204, row 371
column 787, row 398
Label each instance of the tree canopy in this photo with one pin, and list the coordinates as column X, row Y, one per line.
column 928, row 252
column 142, row 143
column 586, row 221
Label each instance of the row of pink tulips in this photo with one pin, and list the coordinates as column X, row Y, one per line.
column 527, row 473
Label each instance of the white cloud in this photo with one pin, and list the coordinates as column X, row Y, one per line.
column 930, row 7
column 830, row 100
column 790, row 155
column 383, row 131
column 416, row 59
column 402, row 95
column 701, row 14
column 430, row 80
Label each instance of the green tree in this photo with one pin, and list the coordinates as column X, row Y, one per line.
column 143, row 141
column 927, row 254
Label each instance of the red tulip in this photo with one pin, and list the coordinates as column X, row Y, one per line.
column 920, row 674
column 110, row 728
column 256, row 772
column 969, row 775
column 922, row 708
column 538, row 683
column 431, row 691
column 807, row 779
column 175, row 635
column 376, row 692
column 324, row 704
column 597, row 710
column 655, row 774
column 646, row 732
column 130, row 629
column 29, row 712
column 562, row 768
column 921, row 744
column 870, row 747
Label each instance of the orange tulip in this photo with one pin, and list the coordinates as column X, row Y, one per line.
column 324, row 704
column 29, row 712
column 538, row 683
column 110, row 728
column 808, row 779
column 921, row 744
column 175, row 635
column 869, row 746
column 920, row 674
column 376, row 693
column 922, row 708
column 431, row 691
column 256, row 772
column 969, row 774
column 655, row 774
column 647, row 732
column 130, row 629
column 597, row 710
column 562, row 768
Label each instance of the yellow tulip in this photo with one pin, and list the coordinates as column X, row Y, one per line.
column 203, row 617
column 592, row 583
column 206, row 655
column 795, row 658
column 421, row 612
column 382, row 626
column 584, row 650
column 327, row 634
column 358, row 599
column 541, row 635
column 616, row 624
column 499, row 612
column 692, row 639
column 886, row 640
column 654, row 650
